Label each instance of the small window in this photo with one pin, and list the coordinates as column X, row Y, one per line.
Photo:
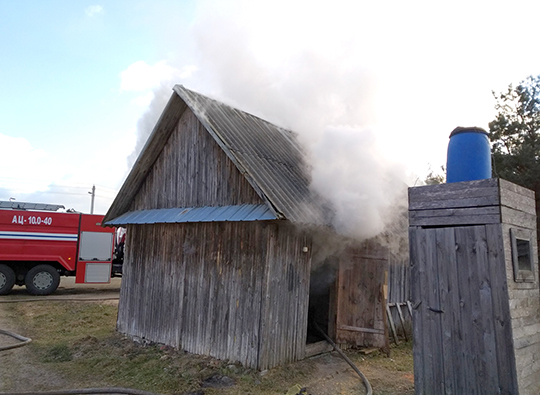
column 522, row 255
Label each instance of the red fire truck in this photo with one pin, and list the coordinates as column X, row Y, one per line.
column 39, row 244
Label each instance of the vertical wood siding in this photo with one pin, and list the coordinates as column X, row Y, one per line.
column 462, row 329
column 285, row 297
column 361, row 303
column 475, row 327
column 236, row 291
column 193, row 171
column 399, row 280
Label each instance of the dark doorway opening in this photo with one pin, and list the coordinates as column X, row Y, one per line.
column 321, row 289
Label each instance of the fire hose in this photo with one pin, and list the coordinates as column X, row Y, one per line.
column 128, row 391
column 58, row 299
column 109, row 390
column 369, row 390
column 89, row 391
column 24, row 340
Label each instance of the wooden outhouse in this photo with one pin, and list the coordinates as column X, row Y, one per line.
column 220, row 249
column 475, row 290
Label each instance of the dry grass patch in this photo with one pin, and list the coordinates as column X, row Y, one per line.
column 78, row 341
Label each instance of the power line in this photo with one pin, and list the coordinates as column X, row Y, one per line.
column 53, row 184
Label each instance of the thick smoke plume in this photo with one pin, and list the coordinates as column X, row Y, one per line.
column 322, row 94
column 349, row 170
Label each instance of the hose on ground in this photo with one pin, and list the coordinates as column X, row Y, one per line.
column 24, row 340
column 110, row 390
column 86, row 391
column 89, row 391
column 369, row 390
column 58, row 299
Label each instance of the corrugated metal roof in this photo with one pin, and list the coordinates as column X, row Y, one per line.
column 245, row 212
column 270, row 156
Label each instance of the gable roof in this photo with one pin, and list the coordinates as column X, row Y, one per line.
column 269, row 157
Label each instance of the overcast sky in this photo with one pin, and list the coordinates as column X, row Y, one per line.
column 372, row 87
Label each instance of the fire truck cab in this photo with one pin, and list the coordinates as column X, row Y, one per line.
column 39, row 244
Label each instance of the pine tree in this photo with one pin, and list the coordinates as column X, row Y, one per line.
column 515, row 137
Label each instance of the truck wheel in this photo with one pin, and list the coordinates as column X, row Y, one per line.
column 42, row 280
column 7, row 279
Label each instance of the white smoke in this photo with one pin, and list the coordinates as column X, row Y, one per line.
column 349, row 170
column 148, row 120
column 321, row 93
column 327, row 99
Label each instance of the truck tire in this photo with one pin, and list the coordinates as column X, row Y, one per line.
column 42, row 280
column 7, row 279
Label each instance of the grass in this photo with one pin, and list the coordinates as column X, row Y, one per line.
column 79, row 340
column 389, row 375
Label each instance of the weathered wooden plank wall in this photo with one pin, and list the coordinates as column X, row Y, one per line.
column 193, row 171
column 463, row 337
column 399, row 281
column 236, row 291
column 492, row 319
column 470, row 203
column 361, row 303
column 399, row 291
column 285, row 296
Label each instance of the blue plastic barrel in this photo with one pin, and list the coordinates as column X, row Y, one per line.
column 469, row 155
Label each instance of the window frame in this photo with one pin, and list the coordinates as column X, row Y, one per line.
column 522, row 275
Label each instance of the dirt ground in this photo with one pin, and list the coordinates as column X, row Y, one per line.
column 18, row 370
column 328, row 373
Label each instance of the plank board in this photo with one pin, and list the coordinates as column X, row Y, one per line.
column 212, row 289
column 463, row 337
column 455, row 216
column 361, row 302
column 455, row 195
column 192, row 171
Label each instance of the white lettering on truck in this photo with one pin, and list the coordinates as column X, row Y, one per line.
column 32, row 220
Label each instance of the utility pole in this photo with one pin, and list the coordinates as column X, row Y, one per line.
column 93, row 193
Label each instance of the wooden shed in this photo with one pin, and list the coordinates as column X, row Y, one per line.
column 222, row 231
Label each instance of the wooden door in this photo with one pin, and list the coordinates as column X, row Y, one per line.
column 360, row 297
column 461, row 320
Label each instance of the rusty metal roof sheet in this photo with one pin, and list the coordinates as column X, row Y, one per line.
column 245, row 212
